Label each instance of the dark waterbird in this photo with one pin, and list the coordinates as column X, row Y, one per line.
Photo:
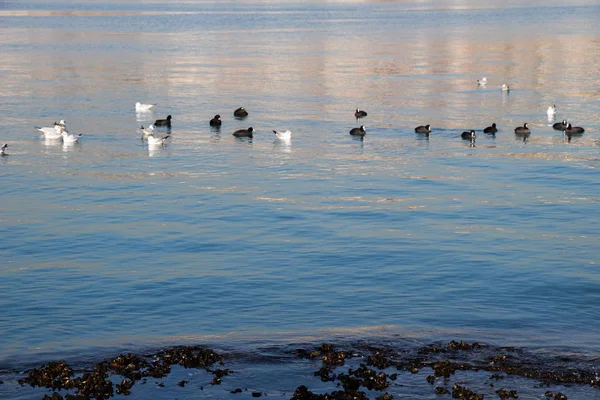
column 573, row 130
column 240, row 113
column 491, row 129
column 244, row 133
column 358, row 131
column 216, row 121
column 560, row 126
column 423, row 129
column 163, row 122
column 360, row 113
column 468, row 135
column 522, row 130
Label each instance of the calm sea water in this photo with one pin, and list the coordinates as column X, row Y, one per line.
column 109, row 244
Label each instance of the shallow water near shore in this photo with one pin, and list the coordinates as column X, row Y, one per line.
column 110, row 246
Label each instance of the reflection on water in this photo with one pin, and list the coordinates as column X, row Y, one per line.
column 323, row 231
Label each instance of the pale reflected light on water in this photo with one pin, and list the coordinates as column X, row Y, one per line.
column 110, row 242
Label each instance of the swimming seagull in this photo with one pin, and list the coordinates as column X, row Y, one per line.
column 154, row 141
column 54, row 132
column 482, row 81
column 551, row 111
column 287, row 135
column 70, row 138
column 147, row 131
column 3, row 150
column 358, row 131
column 143, row 107
column 505, row 87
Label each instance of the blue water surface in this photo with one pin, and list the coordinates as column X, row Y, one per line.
column 110, row 244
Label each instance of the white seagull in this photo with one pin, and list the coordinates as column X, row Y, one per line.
column 482, row 81
column 147, row 131
column 505, row 87
column 154, row 141
column 287, row 135
column 70, row 138
column 143, row 107
column 55, row 132
column 3, row 150
column 551, row 111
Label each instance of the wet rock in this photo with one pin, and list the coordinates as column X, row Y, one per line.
column 219, row 373
column 446, row 368
column 302, row 393
column 507, row 394
column 325, row 374
column 124, row 387
column 158, row 369
column 128, row 365
column 368, row 378
column 556, row 396
column 463, row 392
column 182, row 383
column 190, row 357
column 95, row 384
column 454, row 345
column 441, row 390
column 56, row 375
column 430, row 379
column 55, row 396
column 256, row 394
column 238, row 390
column 385, row 396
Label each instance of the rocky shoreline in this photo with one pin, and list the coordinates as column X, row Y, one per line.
column 360, row 371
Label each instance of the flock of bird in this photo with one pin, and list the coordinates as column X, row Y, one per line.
column 59, row 132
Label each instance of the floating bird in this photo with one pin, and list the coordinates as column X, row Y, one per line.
column 3, row 150
column 163, row 122
column 423, row 129
column 216, row 121
column 468, row 135
column 287, row 135
column 70, row 138
column 522, row 130
column 560, row 126
column 54, row 132
column 154, row 141
column 240, row 113
column 482, row 81
column 244, row 133
column 143, row 107
column 491, row 129
column 573, row 130
column 360, row 113
column 551, row 111
column 505, row 88
column 147, row 131
column 358, row 131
